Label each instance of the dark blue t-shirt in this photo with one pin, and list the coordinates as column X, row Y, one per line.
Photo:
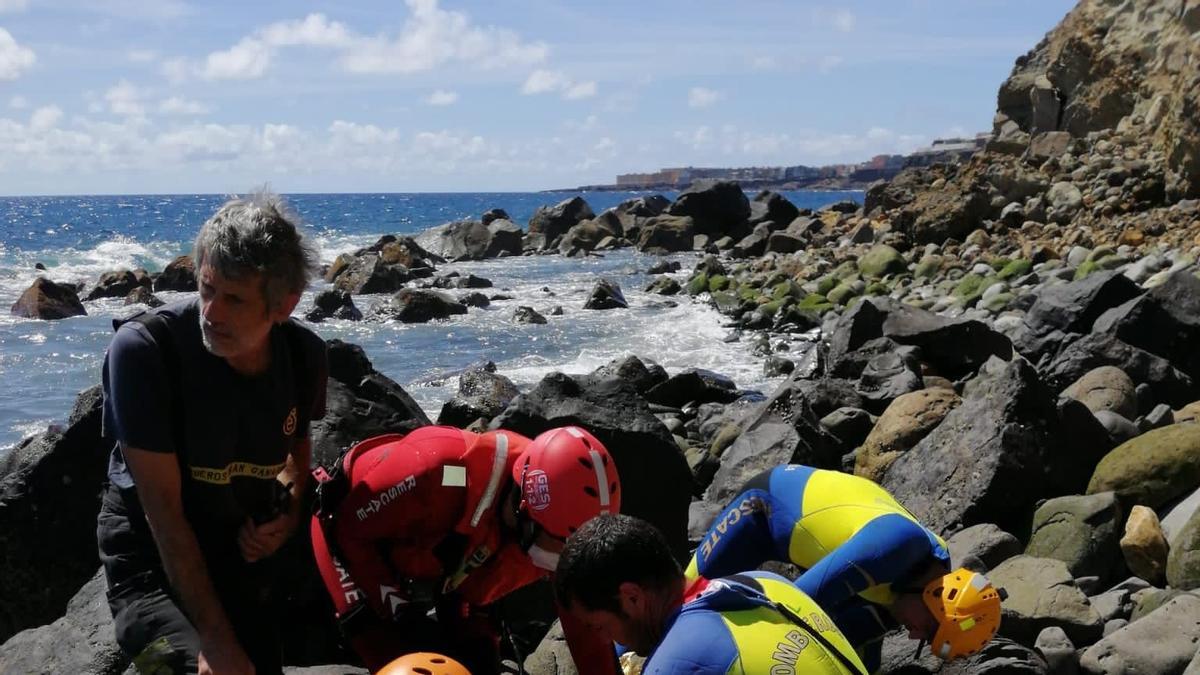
column 237, row 430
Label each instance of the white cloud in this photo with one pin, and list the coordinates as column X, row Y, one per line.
column 18, row 102
column 14, row 59
column 176, row 70
column 125, row 99
column 542, row 81
column 13, row 5
column 546, row 81
column 180, row 106
column 580, row 90
column 442, row 97
column 700, row 97
column 431, row 37
column 141, row 55
column 246, row 60
column 46, row 117
column 362, row 134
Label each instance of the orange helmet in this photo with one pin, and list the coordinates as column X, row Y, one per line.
column 424, row 663
column 967, row 609
column 566, row 478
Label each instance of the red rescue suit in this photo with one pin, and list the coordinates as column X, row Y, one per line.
column 407, row 498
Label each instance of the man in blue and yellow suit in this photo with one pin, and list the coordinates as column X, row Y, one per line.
column 865, row 559
column 617, row 576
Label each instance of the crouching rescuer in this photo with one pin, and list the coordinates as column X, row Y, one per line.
column 416, row 536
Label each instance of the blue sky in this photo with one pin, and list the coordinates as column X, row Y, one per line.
column 121, row 96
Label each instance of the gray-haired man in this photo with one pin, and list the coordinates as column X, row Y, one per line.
column 210, row 400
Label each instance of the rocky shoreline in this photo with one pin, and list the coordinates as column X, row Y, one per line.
column 1008, row 345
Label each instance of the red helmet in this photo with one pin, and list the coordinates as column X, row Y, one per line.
column 424, row 663
column 566, row 478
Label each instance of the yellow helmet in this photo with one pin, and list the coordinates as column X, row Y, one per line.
column 967, row 609
column 424, row 663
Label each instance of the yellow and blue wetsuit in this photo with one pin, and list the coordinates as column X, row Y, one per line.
column 752, row 624
column 853, row 540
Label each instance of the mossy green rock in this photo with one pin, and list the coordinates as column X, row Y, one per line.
column 968, row 286
column 726, row 302
column 842, row 295
column 928, row 267
column 881, row 261
column 1152, row 469
column 1100, row 252
column 1082, row 531
column 826, row 283
column 786, row 289
column 1085, row 269
column 718, row 282
column 697, row 284
column 998, row 302
column 771, row 308
column 815, row 303
column 1110, row 262
column 877, row 288
column 1016, row 268
column 845, row 270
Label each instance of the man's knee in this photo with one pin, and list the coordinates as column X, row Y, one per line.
column 154, row 632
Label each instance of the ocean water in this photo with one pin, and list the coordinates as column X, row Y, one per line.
column 45, row 364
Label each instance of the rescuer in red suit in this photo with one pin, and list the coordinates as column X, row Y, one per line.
column 417, row 535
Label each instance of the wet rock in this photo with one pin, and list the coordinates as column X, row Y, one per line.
column 494, row 214
column 982, row 547
column 1106, row 388
column 666, row 234
column 664, row 267
column 634, row 372
column 178, row 275
column 664, row 286
column 116, row 284
column 551, row 222
column 718, row 208
column 586, row 235
column 1153, row 468
column 772, row 206
column 1041, row 594
column 143, row 296
column 1144, row 546
column 370, row 274
column 526, row 314
column 482, row 392
column 48, row 300
column 333, row 304
column 694, row 386
column 606, row 295
column 411, row 305
column 1081, row 531
column 906, row 421
column 783, row 242
column 1164, row 641
column 475, row 299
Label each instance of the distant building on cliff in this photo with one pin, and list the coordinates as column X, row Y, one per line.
column 878, row 167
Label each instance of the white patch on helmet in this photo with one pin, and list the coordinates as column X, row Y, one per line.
column 602, row 480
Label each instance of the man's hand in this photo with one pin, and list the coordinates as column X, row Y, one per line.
column 228, row 661
column 261, row 541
